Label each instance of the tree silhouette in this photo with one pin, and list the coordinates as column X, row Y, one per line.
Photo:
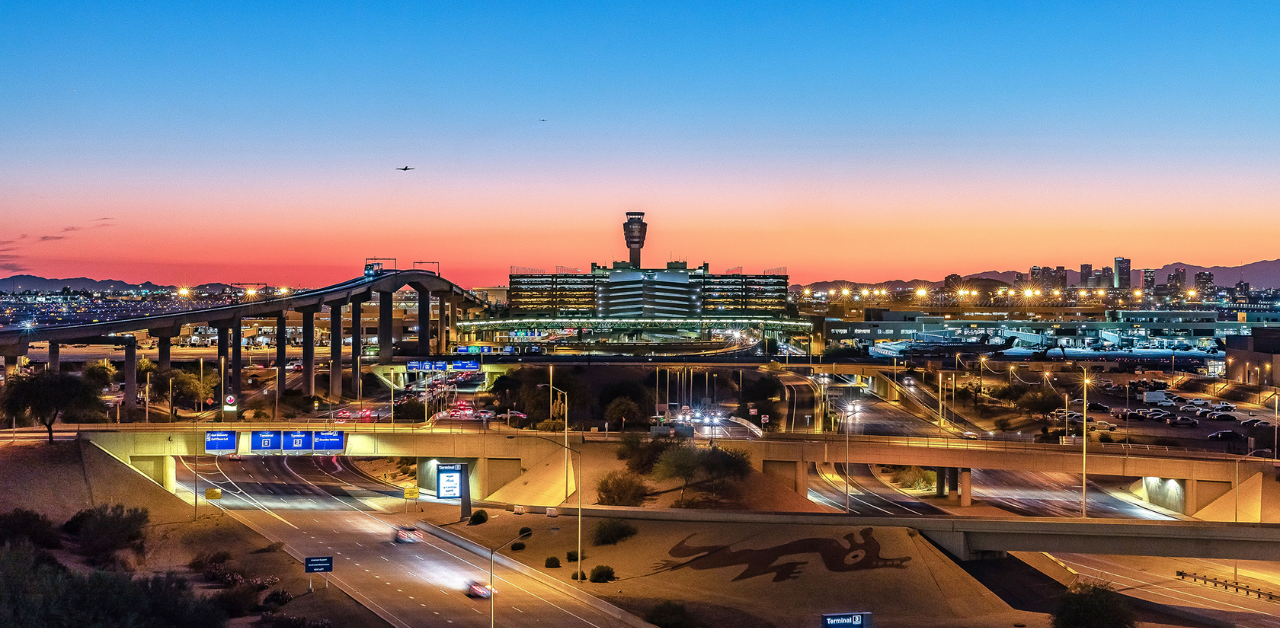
column 46, row 396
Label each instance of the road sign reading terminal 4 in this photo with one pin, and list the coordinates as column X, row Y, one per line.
column 318, row 564
column 847, row 619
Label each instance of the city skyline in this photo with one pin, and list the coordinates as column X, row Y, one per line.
column 828, row 141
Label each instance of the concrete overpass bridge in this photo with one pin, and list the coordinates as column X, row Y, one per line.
column 504, row 458
column 1207, row 485
column 346, row 297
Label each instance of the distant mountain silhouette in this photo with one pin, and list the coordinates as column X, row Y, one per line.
column 18, row 283
column 1263, row 274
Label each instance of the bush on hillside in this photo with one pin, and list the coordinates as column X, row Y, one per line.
column 478, row 517
column 601, row 573
column 552, row 562
column 668, row 614
column 619, row 488
column 104, row 530
column 1092, row 605
column 20, row 524
column 611, row 532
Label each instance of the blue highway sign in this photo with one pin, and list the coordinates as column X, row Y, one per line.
column 268, row 440
column 219, row 441
column 297, row 441
column 329, row 441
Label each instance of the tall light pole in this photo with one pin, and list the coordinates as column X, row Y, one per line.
column 491, row 553
column 1084, row 448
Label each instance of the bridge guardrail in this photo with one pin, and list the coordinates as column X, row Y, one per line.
column 1228, row 584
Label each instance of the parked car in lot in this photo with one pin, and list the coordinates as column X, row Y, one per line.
column 1220, row 416
column 1164, row 404
column 1104, row 426
column 1225, row 407
column 1226, row 435
column 1250, row 422
column 1200, row 402
column 1182, row 421
column 1262, row 424
column 1204, row 411
column 1097, row 407
column 1188, row 408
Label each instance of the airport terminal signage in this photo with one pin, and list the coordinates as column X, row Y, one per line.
column 449, row 481
column 219, row 442
column 329, row 441
column 466, row 365
column 416, row 366
column 318, row 564
column 265, row 441
column 297, row 441
column 847, row 619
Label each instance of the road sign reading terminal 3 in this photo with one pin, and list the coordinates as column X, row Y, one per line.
column 847, row 619
column 329, row 442
column 219, row 442
column 318, row 564
column 265, row 441
column 297, row 441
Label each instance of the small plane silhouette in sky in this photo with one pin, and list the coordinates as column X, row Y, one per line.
column 406, row 168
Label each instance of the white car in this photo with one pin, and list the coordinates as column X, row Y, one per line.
column 1199, row 402
column 1104, row 426
column 1225, row 407
column 1165, row 404
column 1188, row 408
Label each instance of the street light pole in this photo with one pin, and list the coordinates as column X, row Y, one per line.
column 491, row 553
column 1084, row 448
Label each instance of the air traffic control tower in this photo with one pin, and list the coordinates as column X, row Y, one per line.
column 633, row 230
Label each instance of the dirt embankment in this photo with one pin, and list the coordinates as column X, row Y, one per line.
column 61, row 479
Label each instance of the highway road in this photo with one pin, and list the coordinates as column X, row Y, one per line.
column 1154, row 579
column 1036, row 494
column 321, row 506
column 868, row 496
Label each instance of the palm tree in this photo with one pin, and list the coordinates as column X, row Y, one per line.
column 46, row 396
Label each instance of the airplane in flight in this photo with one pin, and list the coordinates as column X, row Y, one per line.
column 406, row 168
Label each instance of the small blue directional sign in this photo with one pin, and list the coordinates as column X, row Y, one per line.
column 466, row 365
column 329, row 441
column 318, row 564
column 268, row 440
column 862, row 620
column 219, row 442
column 418, row 365
column 297, row 441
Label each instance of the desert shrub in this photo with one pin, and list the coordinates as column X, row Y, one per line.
column 642, row 458
column 1167, row 442
column 1105, row 437
column 278, row 597
column 237, row 601
column 517, row 546
column 668, row 614
column 1093, row 605
column 601, row 573
column 572, row 556
column 611, row 532
column 21, row 524
column 273, row 548
column 203, row 560
column 620, row 488
column 578, row 575
column 915, row 478
column 1003, row 424
column 478, row 517
column 105, row 530
column 550, row 426
column 629, row 444
column 525, row 531
column 552, row 562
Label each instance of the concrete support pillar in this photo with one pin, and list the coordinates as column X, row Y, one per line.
column 335, row 350
column 130, row 374
column 357, row 339
column 940, row 481
column 165, row 344
column 54, row 362
column 224, row 341
column 385, row 348
column 441, row 299
column 282, row 340
column 1190, row 498
column 237, row 365
column 424, row 322
column 10, row 364
column 308, row 353
column 451, row 334
column 966, row 488
column 953, row 484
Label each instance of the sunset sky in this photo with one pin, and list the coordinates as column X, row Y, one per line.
column 184, row 143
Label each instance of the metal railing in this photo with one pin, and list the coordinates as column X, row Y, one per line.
column 1228, row 585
